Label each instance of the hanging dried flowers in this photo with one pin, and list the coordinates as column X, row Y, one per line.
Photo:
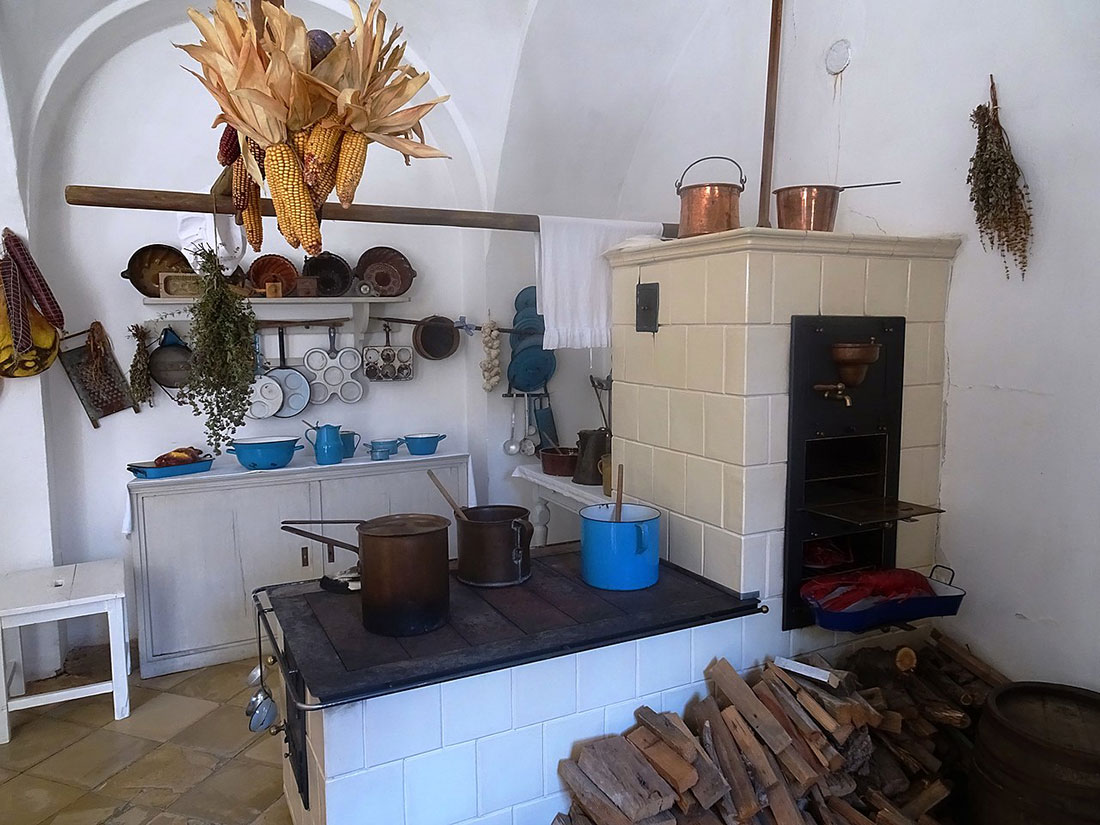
column 1002, row 201
column 140, row 385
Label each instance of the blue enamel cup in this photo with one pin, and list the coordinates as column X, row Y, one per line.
column 622, row 555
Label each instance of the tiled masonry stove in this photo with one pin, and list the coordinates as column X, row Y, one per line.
column 703, row 420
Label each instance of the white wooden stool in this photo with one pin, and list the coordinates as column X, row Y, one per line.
column 49, row 594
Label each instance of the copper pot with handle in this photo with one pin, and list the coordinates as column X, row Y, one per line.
column 403, row 568
column 709, row 207
column 494, row 545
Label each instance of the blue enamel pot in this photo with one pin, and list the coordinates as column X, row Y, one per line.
column 620, row 555
column 266, row 453
column 422, row 443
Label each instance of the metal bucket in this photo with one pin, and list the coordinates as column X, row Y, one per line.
column 494, row 545
column 709, row 207
column 403, row 568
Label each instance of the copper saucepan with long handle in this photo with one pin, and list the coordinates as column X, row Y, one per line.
column 813, row 207
column 403, row 568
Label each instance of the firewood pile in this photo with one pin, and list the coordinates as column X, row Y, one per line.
column 881, row 740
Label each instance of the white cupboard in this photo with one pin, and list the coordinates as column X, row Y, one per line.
column 201, row 544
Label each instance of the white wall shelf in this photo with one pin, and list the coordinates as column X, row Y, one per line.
column 355, row 307
column 291, row 300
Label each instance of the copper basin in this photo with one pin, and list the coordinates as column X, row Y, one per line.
column 853, row 360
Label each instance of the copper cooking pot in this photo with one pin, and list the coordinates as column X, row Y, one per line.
column 403, row 568
column 813, row 207
column 709, row 207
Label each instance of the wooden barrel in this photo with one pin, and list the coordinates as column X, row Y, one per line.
column 1037, row 757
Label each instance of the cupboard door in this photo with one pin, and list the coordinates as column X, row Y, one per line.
column 206, row 551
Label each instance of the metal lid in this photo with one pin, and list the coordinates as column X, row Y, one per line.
column 403, row 524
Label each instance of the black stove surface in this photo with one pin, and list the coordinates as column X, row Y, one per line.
column 551, row 614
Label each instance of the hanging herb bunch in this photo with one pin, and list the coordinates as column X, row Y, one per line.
column 222, row 326
column 1002, row 201
column 140, row 385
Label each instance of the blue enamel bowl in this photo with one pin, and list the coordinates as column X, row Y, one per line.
column 265, row 453
column 423, row 443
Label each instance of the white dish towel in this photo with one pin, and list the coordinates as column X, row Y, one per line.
column 574, row 279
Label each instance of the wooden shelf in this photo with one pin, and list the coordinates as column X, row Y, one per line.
column 347, row 299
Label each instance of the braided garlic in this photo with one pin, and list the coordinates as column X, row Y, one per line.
column 490, row 366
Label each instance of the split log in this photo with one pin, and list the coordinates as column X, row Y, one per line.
column 875, row 698
column 821, row 809
column 919, row 728
column 846, row 812
column 858, row 750
column 578, row 816
column 935, row 707
column 727, row 680
column 780, row 801
column 898, row 699
column 702, row 711
column 676, row 739
column 818, row 674
column 888, row 813
column 700, row 816
column 839, row 783
column 810, row 733
column 919, row 752
column 884, row 773
column 618, row 769
column 725, row 807
column 590, row 798
column 891, row 721
column 767, row 697
column 929, row 797
column 562, row 819
column 821, row 716
column 910, row 763
column 877, row 666
column 751, row 748
column 841, row 709
column 964, row 657
column 675, row 770
column 711, row 786
column 865, row 712
column 946, row 685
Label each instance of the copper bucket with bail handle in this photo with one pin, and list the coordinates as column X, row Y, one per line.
column 709, row 207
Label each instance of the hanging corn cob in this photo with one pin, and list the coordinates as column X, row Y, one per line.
column 306, row 127
column 33, row 279
column 252, row 218
column 229, row 146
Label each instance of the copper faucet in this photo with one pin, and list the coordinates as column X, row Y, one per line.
column 834, row 391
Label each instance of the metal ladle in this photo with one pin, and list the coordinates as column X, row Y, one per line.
column 526, row 446
column 511, row 446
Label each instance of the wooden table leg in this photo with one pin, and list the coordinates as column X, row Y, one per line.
column 540, row 520
column 120, row 686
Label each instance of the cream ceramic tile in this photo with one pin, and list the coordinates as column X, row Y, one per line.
column 928, row 283
column 638, row 470
column 618, row 350
column 618, row 451
column 754, row 563
column 917, row 542
column 722, row 557
column 36, row 739
column 624, row 281
column 920, row 475
column 706, row 354
column 916, row 353
column 937, row 354
column 767, row 366
column 235, row 794
column 670, row 357
column 28, row 800
column 222, row 733
column 685, row 540
column 641, row 358
column 887, row 286
column 796, row 288
column 737, row 347
column 759, row 300
column 219, row 683
column 736, row 429
column 686, row 433
column 843, row 285
column 91, row 760
column 158, row 779
column 774, row 567
column 727, row 288
column 921, row 415
column 657, row 273
column 703, row 490
column 778, row 420
column 652, row 414
column 624, row 409
column 755, row 498
column 685, row 290
column 162, row 717
column 668, row 479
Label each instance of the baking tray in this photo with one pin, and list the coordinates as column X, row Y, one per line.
column 149, row 470
column 946, row 602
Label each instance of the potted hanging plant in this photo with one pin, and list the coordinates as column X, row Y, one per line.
column 222, row 328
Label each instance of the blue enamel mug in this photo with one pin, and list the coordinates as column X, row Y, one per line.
column 620, row 555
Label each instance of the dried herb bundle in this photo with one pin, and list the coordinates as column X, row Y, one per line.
column 222, row 326
column 140, row 385
column 1002, row 201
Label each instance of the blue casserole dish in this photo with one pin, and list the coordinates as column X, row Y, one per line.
column 265, row 453
column 149, row 469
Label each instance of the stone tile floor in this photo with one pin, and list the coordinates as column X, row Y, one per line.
column 184, row 756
